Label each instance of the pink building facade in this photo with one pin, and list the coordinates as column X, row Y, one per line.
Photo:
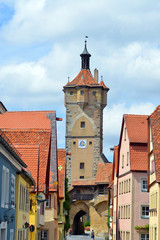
column 132, row 196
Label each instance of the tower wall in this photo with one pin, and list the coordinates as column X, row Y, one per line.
column 86, row 108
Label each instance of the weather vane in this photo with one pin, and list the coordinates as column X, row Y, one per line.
column 86, row 38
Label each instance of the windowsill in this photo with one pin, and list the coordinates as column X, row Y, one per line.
column 143, row 217
column 143, row 190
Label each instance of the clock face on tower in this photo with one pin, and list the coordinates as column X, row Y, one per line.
column 82, row 143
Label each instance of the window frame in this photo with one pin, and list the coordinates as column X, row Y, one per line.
column 48, row 202
column 144, row 216
column 81, row 166
column 82, row 124
column 143, row 189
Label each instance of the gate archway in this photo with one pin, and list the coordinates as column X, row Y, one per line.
column 78, row 214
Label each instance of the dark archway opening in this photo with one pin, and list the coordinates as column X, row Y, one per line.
column 78, row 224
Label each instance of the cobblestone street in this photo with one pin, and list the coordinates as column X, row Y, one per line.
column 82, row 237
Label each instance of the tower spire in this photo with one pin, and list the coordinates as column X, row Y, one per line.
column 85, row 57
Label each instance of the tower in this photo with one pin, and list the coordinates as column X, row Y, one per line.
column 85, row 99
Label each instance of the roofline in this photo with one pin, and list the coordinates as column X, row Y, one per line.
column 3, row 106
column 27, row 177
column 85, row 86
column 5, row 143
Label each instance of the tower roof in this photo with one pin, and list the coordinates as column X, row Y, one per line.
column 85, row 78
column 85, row 51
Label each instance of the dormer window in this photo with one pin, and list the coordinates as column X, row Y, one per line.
column 82, row 92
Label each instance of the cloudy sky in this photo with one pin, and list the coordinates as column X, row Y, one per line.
column 40, row 43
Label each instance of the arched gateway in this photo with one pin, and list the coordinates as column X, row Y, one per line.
column 78, row 214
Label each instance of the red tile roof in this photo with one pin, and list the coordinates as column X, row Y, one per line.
column 31, row 133
column 136, row 128
column 138, row 158
column 155, row 127
column 83, row 182
column 104, row 173
column 85, row 78
column 35, row 142
column 61, row 154
column 25, row 120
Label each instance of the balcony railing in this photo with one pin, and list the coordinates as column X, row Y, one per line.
column 80, row 196
column 100, row 192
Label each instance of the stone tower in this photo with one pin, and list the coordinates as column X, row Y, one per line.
column 85, row 99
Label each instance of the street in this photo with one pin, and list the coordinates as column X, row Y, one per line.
column 84, row 237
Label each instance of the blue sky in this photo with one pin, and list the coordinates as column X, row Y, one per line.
column 40, row 43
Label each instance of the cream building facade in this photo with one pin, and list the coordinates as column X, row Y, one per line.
column 153, row 177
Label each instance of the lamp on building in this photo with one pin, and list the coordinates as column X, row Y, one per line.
column 5, row 217
column 12, row 218
column 26, row 225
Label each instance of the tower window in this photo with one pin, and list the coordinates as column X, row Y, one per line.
column 81, row 177
column 82, row 165
column 82, row 124
column 71, row 93
column 90, row 143
column 82, row 92
column 94, row 93
column 74, row 143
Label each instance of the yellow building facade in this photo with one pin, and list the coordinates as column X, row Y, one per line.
column 23, row 184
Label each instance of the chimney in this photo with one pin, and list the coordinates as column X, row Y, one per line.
column 96, row 74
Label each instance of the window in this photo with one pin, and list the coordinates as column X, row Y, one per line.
column 82, row 124
column 144, row 185
column 71, row 93
column 144, row 211
column 144, row 236
column 24, row 198
column 127, row 235
column 153, row 166
column 12, row 191
column 78, row 191
column 74, row 142
column 90, row 143
column 128, row 211
column 81, row 177
column 122, row 161
column 125, row 130
column 44, row 235
column 129, row 187
column 82, row 92
column 94, row 93
column 42, row 208
column 19, row 234
column 81, row 165
column 11, row 234
column 48, row 202
column 5, row 188
column 127, row 158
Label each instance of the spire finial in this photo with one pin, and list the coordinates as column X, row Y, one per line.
column 86, row 41
column 85, row 56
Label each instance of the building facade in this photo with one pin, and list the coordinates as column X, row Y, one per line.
column 11, row 166
column 133, row 198
column 34, row 135
column 153, row 173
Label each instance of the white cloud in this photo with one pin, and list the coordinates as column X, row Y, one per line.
column 113, row 120
column 41, row 20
